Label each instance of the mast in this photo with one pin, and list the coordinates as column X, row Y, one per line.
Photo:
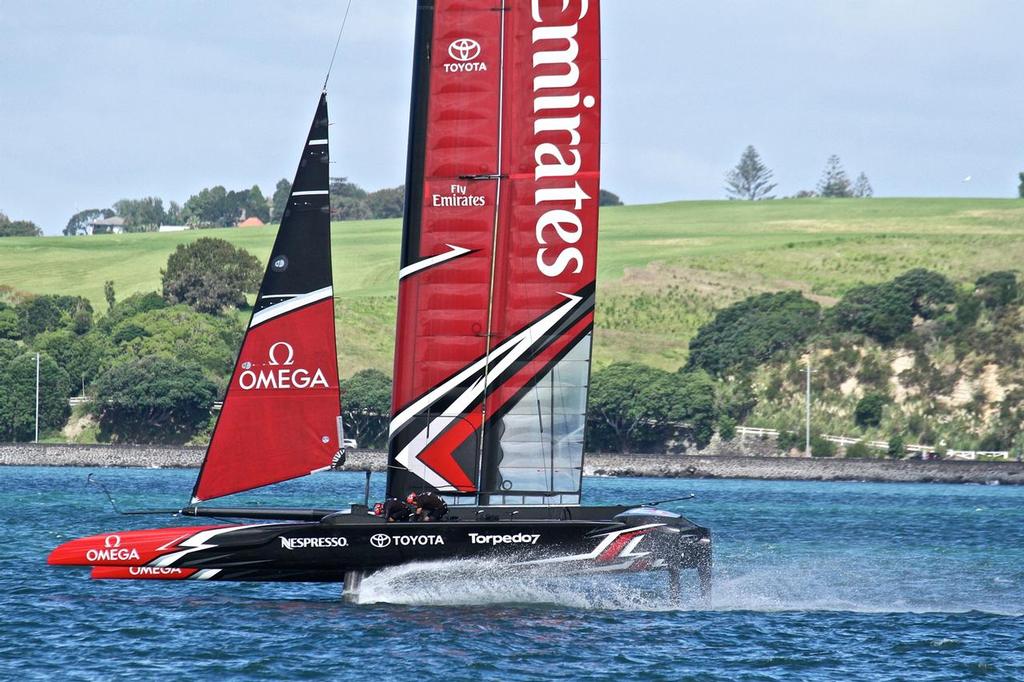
column 280, row 414
column 496, row 301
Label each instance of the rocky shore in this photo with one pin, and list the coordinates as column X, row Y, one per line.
column 657, row 466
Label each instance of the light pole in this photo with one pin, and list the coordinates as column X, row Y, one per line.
column 37, row 398
column 807, row 419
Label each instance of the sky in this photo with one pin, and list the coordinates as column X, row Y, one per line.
column 103, row 100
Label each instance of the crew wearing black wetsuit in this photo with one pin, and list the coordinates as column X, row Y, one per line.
column 429, row 506
column 397, row 510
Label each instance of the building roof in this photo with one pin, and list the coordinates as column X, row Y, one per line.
column 113, row 221
column 251, row 221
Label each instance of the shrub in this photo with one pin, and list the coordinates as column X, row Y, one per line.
column 726, row 428
column 968, row 309
column 997, row 289
column 886, row 311
column 897, row 449
column 874, row 371
column 820, row 447
column 859, row 450
column 789, row 440
column 868, row 412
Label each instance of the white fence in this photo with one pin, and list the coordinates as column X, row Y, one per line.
column 744, row 431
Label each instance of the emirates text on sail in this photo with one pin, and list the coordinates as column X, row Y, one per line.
column 552, row 159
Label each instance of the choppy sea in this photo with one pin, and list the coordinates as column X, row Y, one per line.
column 814, row 581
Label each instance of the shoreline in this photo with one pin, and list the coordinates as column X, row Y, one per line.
column 597, row 464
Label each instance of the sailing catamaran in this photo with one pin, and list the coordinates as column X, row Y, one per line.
column 493, row 341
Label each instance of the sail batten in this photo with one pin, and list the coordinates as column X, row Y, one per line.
column 493, row 344
column 279, row 417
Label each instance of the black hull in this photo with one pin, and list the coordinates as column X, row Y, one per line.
column 344, row 546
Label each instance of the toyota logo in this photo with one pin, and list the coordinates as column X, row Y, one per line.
column 464, row 49
column 380, row 540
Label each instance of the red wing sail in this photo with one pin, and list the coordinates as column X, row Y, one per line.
column 279, row 419
column 496, row 289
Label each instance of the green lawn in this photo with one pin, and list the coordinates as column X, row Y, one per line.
column 662, row 268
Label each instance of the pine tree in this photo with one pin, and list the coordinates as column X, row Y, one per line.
column 862, row 187
column 1020, row 187
column 750, row 179
column 834, row 181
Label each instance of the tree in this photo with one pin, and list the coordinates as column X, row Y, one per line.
column 83, row 357
column 108, row 294
column 997, row 289
column 280, row 200
column 256, row 205
column 132, row 305
column 862, row 187
column 348, row 201
column 79, row 223
column 747, row 333
column 615, row 420
column 366, row 407
column 37, row 314
column 929, row 292
column 606, row 198
column 18, row 397
column 210, row 207
column 174, row 214
column 141, row 215
column 1020, row 187
column 9, row 325
column 868, row 412
column 18, row 228
column 886, row 311
column 387, row 203
column 750, row 179
column 210, row 274
column 682, row 403
column 834, row 182
column 8, row 351
column 152, row 400
column 180, row 332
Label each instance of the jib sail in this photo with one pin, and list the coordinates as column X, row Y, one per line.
column 280, row 413
column 496, row 292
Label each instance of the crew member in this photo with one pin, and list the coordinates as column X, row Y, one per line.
column 429, row 506
column 394, row 509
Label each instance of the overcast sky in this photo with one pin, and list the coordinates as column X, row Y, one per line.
column 103, row 100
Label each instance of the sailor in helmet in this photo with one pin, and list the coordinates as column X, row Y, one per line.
column 393, row 510
column 429, row 506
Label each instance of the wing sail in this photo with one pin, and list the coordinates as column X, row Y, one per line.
column 493, row 347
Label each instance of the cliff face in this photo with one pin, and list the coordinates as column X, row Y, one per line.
column 948, row 383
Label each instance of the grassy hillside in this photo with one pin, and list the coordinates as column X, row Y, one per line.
column 662, row 268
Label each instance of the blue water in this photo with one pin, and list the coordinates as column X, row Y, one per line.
column 814, row 581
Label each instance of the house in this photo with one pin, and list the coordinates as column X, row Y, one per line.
column 111, row 225
column 251, row 221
